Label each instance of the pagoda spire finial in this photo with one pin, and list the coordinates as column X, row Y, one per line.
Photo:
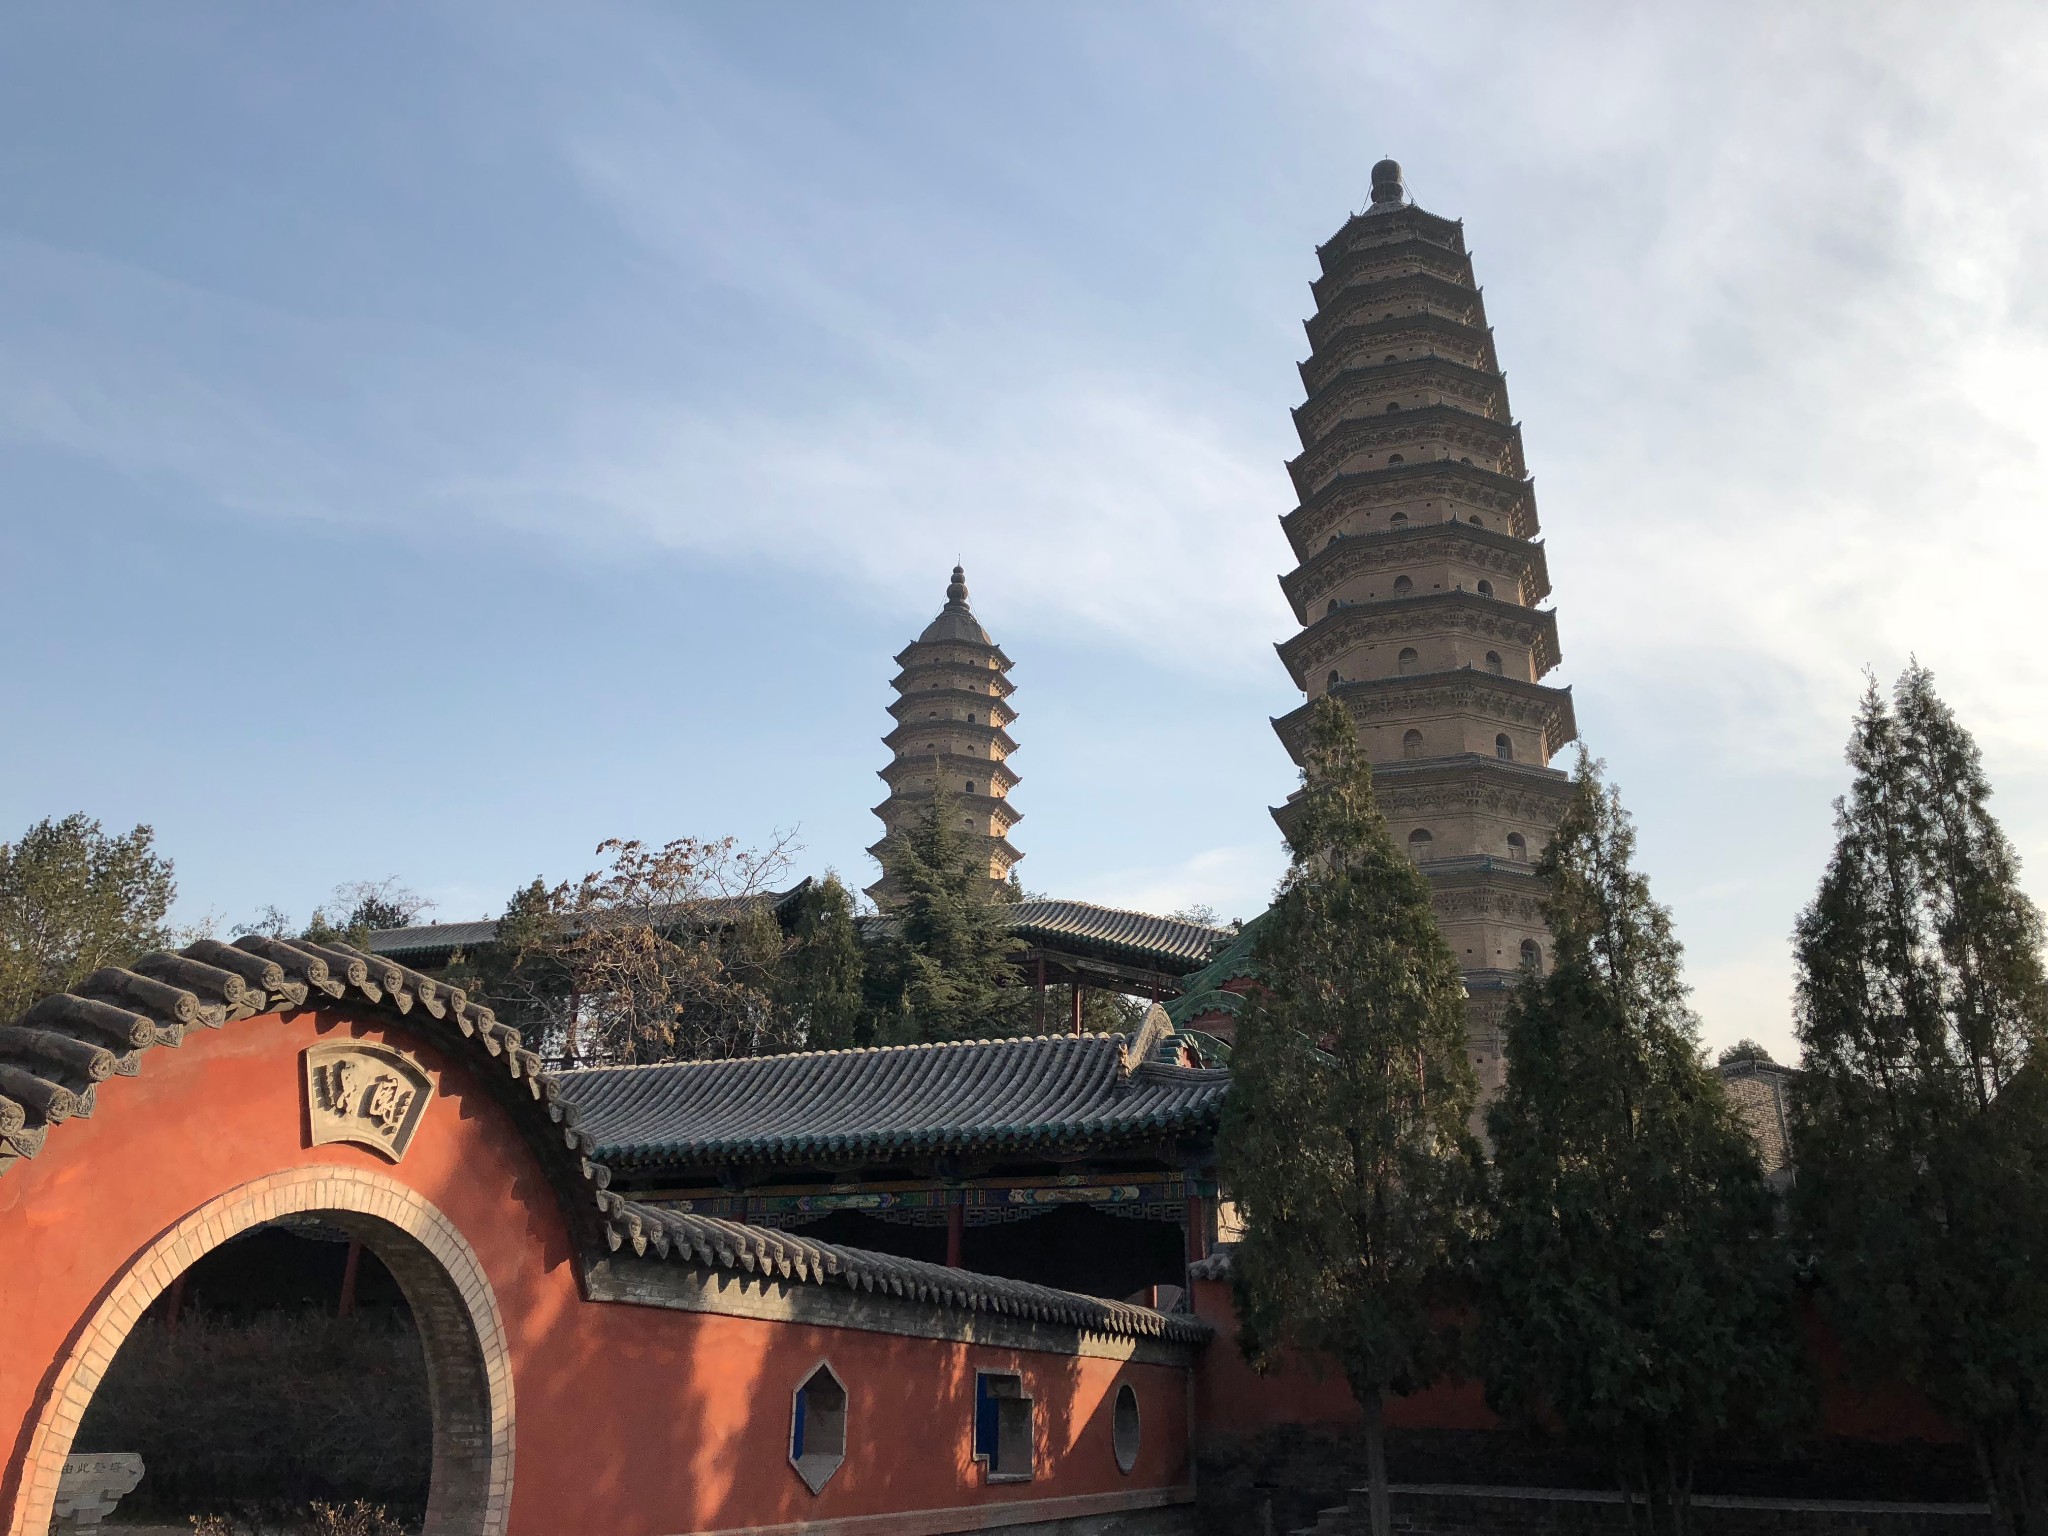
column 1387, row 189
column 956, row 590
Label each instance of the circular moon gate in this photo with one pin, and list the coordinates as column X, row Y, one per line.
column 469, row 1373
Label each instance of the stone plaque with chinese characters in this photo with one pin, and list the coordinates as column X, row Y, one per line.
column 365, row 1092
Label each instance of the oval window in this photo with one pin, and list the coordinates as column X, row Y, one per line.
column 1123, row 1428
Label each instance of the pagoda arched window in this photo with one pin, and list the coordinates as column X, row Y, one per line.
column 1411, row 744
column 1332, row 608
column 1486, row 589
column 1392, row 358
column 1503, row 748
column 1334, row 679
column 1409, row 660
column 1532, row 955
column 1403, row 586
column 1393, row 405
column 1493, row 662
column 1476, row 522
column 1518, row 847
column 1418, row 844
column 1398, row 520
column 970, row 782
column 1395, row 458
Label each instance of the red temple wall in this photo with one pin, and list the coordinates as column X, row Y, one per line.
column 1234, row 1400
column 629, row 1419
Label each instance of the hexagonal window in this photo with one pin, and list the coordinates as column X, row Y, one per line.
column 1123, row 1428
column 817, row 1427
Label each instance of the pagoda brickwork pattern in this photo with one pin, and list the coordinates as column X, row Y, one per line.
column 952, row 717
column 1418, row 585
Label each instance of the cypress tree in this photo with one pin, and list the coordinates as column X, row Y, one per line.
column 818, row 982
column 1632, row 1289
column 944, row 972
column 1345, row 1141
column 1920, row 1123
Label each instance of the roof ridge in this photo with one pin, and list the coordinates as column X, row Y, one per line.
column 851, row 1050
column 718, row 1243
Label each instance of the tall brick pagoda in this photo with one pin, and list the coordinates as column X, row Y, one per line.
column 1418, row 578
column 952, row 714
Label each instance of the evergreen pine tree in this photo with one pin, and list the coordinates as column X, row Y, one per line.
column 1344, row 1141
column 945, row 971
column 1920, row 1124
column 72, row 899
column 1632, row 1288
column 519, row 974
column 818, row 982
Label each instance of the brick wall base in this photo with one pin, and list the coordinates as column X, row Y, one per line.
column 1453, row 1511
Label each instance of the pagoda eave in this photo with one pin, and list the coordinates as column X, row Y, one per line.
column 1486, row 695
column 1520, row 560
column 1467, row 306
column 1462, row 613
column 1423, row 427
column 985, row 806
column 1489, row 388
column 1349, row 490
column 951, row 765
column 909, row 730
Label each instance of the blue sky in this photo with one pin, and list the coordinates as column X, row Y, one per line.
column 434, row 438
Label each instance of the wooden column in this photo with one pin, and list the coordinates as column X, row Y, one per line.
column 1198, row 1228
column 348, row 1278
column 1077, row 1007
column 956, row 1229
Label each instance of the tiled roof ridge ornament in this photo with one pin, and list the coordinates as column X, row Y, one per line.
column 54, row 1056
column 1149, row 1037
column 864, row 1050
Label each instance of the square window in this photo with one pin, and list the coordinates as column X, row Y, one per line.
column 1004, row 1430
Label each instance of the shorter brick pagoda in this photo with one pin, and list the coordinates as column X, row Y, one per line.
column 952, row 719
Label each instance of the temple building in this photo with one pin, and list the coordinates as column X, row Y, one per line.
column 1417, row 583
column 952, row 718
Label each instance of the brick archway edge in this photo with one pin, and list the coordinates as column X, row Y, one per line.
column 469, row 1371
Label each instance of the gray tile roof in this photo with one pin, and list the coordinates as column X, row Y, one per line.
column 1169, row 941
column 1046, row 1093
column 1165, row 943
column 728, row 1245
column 54, row 1059
column 432, row 938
